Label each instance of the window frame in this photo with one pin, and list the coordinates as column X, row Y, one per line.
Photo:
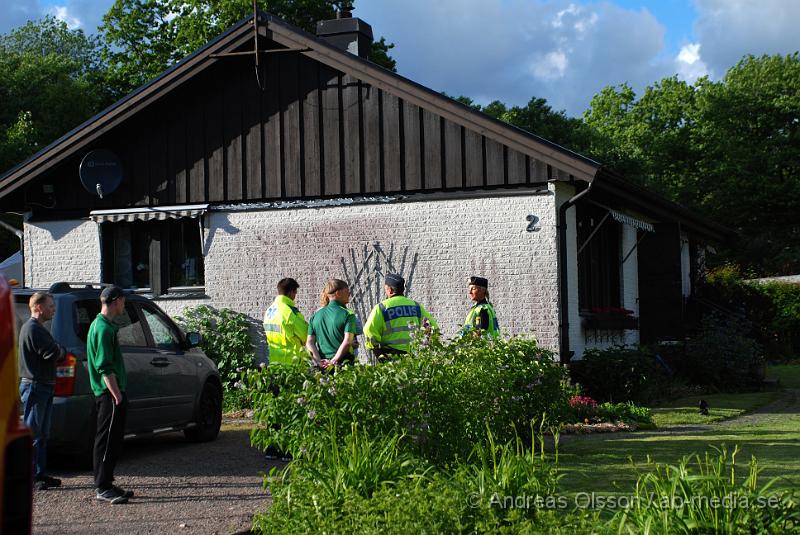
column 603, row 252
column 158, row 258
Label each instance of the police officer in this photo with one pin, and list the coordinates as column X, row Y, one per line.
column 481, row 318
column 389, row 325
column 284, row 324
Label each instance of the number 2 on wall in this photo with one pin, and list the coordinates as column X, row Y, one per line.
column 533, row 226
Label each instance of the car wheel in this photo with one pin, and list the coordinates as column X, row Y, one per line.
column 209, row 416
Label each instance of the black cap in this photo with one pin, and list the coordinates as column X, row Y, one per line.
column 393, row 280
column 479, row 281
column 111, row 294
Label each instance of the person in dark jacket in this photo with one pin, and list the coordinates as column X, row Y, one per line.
column 39, row 354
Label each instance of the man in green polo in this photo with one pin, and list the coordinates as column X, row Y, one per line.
column 108, row 381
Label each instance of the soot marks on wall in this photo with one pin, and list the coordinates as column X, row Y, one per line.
column 365, row 268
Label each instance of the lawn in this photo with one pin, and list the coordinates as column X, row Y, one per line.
column 608, row 463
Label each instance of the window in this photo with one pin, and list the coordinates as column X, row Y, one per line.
column 159, row 256
column 130, row 328
column 599, row 244
column 164, row 336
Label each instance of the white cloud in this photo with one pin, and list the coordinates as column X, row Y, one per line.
column 564, row 51
column 62, row 13
column 689, row 64
column 730, row 29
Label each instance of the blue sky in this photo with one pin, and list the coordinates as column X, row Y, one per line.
column 562, row 50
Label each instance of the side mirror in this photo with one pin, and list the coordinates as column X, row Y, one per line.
column 194, row 339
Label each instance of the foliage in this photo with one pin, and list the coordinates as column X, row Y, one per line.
column 625, row 412
column 441, row 398
column 723, row 355
column 539, row 118
column 145, row 37
column 583, row 408
column 704, row 144
column 369, row 486
column 620, row 374
column 51, row 79
column 703, row 495
column 773, row 308
column 225, row 339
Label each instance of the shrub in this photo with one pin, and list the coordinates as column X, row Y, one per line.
column 722, row 356
column 620, row 374
column 702, row 495
column 583, row 408
column 625, row 412
column 441, row 398
column 772, row 308
column 226, row 339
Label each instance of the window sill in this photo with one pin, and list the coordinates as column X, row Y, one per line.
column 610, row 322
column 179, row 293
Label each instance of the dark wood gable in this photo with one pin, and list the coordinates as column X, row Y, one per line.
column 315, row 128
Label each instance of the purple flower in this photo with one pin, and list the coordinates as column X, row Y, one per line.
column 301, row 401
column 312, row 414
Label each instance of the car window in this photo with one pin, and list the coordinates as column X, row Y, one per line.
column 130, row 332
column 164, row 335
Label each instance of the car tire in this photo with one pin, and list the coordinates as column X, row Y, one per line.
column 209, row 416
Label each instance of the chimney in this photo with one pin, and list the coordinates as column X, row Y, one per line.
column 346, row 32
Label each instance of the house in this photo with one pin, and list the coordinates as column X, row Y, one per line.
column 313, row 163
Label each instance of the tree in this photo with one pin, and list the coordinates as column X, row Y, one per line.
column 145, row 37
column 730, row 149
column 51, row 79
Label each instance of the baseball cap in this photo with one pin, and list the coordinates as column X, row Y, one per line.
column 111, row 294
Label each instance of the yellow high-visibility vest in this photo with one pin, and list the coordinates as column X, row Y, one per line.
column 390, row 323
column 286, row 331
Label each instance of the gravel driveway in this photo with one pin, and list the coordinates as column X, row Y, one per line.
column 180, row 488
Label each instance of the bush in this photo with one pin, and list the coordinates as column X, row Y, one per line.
column 583, row 408
column 702, row 495
column 772, row 308
column 620, row 374
column 226, row 339
column 441, row 398
column 720, row 355
column 625, row 412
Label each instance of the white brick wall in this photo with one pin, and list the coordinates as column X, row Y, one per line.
column 435, row 244
column 61, row 251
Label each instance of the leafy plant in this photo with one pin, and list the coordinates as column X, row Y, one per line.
column 441, row 398
column 625, row 412
column 583, row 408
column 704, row 495
column 225, row 339
column 620, row 374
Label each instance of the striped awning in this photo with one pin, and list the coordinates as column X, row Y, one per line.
column 631, row 221
column 147, row 213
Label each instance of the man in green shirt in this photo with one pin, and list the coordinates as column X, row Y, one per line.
column 332, row 328
column 108, row 381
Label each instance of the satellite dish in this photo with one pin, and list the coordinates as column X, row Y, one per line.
column 100, row 172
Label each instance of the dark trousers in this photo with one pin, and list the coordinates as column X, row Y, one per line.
column 108, row 440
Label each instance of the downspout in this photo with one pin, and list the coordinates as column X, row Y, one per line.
column 563, row 343
column 19, row 234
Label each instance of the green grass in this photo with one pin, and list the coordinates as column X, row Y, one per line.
column 608, row 463
column 684, row 411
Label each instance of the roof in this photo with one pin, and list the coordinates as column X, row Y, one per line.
column 281, row 32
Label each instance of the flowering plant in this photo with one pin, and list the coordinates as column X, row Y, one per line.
column 584, row 408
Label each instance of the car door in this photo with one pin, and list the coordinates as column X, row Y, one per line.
column 143, row 397
column 178, row 371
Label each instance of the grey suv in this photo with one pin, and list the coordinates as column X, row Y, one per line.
column 172, row 384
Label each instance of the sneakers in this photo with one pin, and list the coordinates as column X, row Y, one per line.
column 126, row 493
column 45, row 482
column 112, row 495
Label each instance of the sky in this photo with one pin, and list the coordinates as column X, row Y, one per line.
column 564, row 51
